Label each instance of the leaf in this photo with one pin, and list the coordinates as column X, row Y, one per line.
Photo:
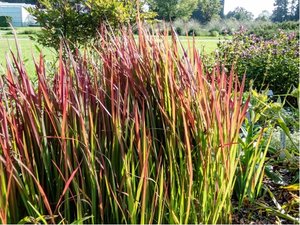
column 275, row 177
column 67, row 186
column 292, row 187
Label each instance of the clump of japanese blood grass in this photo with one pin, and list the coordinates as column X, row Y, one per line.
column 134, row 133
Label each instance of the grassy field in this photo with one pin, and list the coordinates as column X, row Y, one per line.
column 30, row 48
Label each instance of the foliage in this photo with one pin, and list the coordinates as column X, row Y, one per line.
column 192, row 27
column 286, row 10
column 272, row 64
column 232, row 25
column 255, row 144
column 222, row 2
column 5, row 21
column 294, row 10
column 269, row 30
column 282, row 162
column 207, row 10
column 290, row 145
column 134, row 132
column 264, row 16
column 78, row 21
column 172, row 9
column 240, row 13
column 214, row 33
column 281, row 11
column 22, row 1
column 265, row 153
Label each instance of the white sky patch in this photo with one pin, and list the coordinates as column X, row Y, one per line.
column 254, row 6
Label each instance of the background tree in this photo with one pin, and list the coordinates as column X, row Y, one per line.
column 265, row 15
column 240, row 13
column 281, row 11
column 294, row 10
column 207, row 10
column 21, row 1
column 77, row 21
column 172, row 9
column 222, row 2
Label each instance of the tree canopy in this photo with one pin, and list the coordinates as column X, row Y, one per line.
column 21, row 1
column 281, row 11
column 207, row 10
column 78, row 21
column 265, row 15
column 172, row 9
column 285, row 10
column 240, row 13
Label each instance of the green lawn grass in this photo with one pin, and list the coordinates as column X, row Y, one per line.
column 21, row 31
column 30, row 48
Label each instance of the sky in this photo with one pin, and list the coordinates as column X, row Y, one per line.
column 254, row 6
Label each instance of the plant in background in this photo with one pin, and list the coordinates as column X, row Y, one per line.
column 272, row 64
column 281, row 165
column 240, row 13
column 77, row 22
column 5, row 21
column 264, row 16
column 268, row 160
column 131, row 132
column 191, row 27
column 254, row 148
column 208, row 10
column 173, row 9
column 268, row 30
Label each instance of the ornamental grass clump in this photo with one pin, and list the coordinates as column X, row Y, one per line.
column 129, row 132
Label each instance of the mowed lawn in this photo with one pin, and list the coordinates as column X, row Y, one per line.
column 30, row 48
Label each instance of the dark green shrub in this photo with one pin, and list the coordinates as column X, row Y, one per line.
column 179, row 31
column 272, row 64
column 5, row 21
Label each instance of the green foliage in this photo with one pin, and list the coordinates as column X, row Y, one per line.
column 294, row 12
column 132, row 132
column 264, row 16
column 5, row 21
column 207, row 10
column 264, row 146
column 22, row 1
column 269, row 30
column 286, row 10
column 276, row 145
column 231, row 25
column 272, row 64
column 192, row 27
column 214, row 33
column 78, row 21
column 254, row 148
column 281, row 11
column 240, row 13
column 172, row 9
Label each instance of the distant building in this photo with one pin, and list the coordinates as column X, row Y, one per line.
column 18, row 12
